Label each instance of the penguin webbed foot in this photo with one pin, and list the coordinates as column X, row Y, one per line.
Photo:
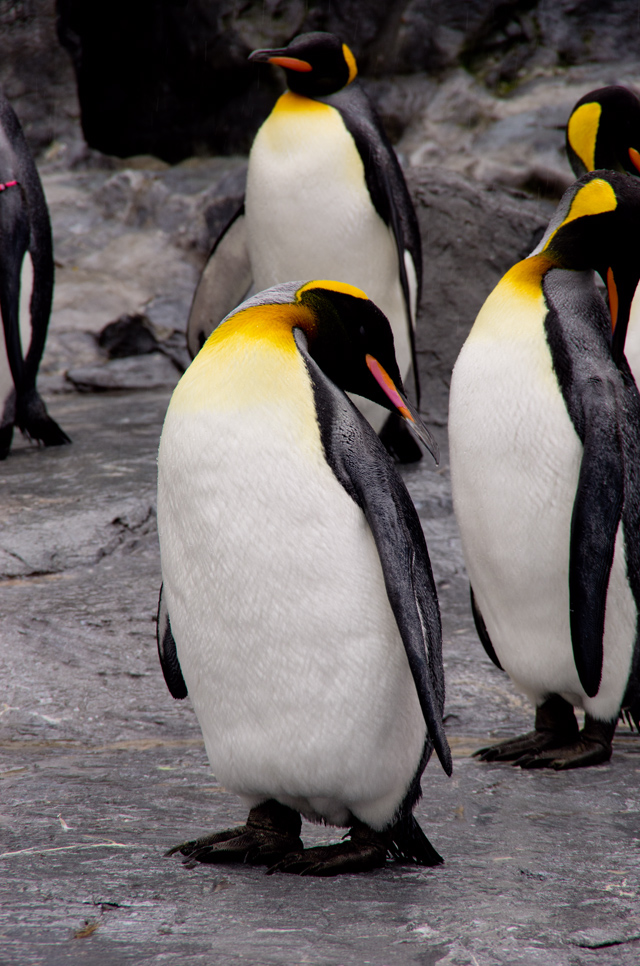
column 593, row 746
column 33, row 420
column 556, row 727
column 361, row 851
column 557, row 742
column 271, row 832
column 532, row 743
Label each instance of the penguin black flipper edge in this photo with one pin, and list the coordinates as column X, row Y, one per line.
column 168, row 654
column 592, row 394
column 481, row 630
column 367, row 472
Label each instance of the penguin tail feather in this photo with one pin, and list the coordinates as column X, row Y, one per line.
column 409, row 843
column 34, row 421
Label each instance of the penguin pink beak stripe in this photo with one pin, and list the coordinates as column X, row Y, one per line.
column 402, row 404
column 292, row 63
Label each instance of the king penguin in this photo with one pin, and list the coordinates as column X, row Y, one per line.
column 545, row 467
column 604, row 132
column 26, row 288
column 298, row 607
column 325, row 198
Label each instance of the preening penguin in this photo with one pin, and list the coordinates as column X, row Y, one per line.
column 325, row 198
column 298, row 606
column 26, row 258
column 545, row 466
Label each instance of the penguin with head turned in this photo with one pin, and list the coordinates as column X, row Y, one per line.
column 26, row 288
column 325, row 198
column 298, row 607
column 545, row 465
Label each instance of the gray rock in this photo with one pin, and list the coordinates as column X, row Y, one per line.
column 471, row 235
column 152, row 371
column 599, row 938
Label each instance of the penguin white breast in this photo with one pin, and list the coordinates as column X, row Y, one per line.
column 632, row 341
column 285, row 636
column 309, row 213
column 515, row 462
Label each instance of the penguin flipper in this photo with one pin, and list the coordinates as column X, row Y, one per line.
column 168, row 654
column 597, row 510
column 367, row 472
column 481, row 629
column 224, row 283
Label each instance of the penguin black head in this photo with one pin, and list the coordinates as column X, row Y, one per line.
column 604, row 132
column 596, row 226
column 344, row 333
column 316, row 64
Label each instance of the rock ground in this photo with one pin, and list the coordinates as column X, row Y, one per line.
column 101, row 770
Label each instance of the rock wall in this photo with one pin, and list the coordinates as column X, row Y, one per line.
column 35, row 72
column 172, row 79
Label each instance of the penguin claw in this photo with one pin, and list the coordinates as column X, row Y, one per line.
column 330, row 860
column 241, row 844
column 515, row 749
column 579, row 755
column 272, row 831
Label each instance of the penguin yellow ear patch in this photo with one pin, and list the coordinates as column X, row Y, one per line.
column 595, row 198
column 582, row 131
column 332, row 286
column 351, row 63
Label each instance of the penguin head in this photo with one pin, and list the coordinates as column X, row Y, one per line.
column 604, row 132
column 344, row 333
column 316, row 64
column 596, row 226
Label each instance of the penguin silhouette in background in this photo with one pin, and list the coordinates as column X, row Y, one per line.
column 26, row 288
column 325, row 197
column 298, row 606
column 544, row 431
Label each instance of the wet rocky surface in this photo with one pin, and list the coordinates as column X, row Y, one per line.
column 101, row 770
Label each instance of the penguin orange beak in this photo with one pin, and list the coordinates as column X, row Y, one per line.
column 406, row 409
column 279, row 58
column 635, row 158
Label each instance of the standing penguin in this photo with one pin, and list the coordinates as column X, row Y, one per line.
column 298, row 606
column 545, row 465
column 26, row 268
column 325, row 197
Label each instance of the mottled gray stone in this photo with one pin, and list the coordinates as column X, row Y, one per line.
column 471, row 235
column 151, row 371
